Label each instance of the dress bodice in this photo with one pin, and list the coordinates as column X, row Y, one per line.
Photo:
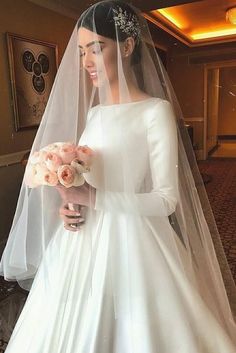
column 118, row 135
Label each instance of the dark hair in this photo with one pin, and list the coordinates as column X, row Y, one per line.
column 100, row 17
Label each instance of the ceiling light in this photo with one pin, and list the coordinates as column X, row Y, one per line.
column 212, row 34
column 170, row 18
column 231, row 15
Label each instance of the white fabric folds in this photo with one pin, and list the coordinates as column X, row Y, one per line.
column 146, row 273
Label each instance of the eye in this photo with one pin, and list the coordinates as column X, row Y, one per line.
column 97, row 49
column 81, row 53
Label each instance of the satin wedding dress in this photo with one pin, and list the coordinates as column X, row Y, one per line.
column 140, row 301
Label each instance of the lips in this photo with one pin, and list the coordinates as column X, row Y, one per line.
column 93, row 75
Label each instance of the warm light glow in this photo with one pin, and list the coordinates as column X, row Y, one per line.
column 231, row 15
column 170, row 18
column 212, row 34
column 194, row 31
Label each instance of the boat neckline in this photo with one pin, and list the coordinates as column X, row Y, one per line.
column 127, row 103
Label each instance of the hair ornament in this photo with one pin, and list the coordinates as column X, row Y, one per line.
column 127, row 23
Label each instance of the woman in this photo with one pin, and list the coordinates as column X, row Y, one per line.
column 117, row 275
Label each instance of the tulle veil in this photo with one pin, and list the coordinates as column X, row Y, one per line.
column 73, row 97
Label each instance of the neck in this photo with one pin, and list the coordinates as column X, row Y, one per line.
column 131, row 88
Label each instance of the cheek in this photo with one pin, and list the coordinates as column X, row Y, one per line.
column 110, row 63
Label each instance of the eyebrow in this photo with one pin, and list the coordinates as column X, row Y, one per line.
column 91, row 43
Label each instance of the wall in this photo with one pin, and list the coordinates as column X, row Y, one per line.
column 187, row 81
column 10, row 181
column 186, row 70
column 227, row 112
column 27, row 19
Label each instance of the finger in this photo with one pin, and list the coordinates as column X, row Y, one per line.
column 74, row 221
column 75, row 226
column 81, row 220
column 66, row 212
column 71, row 229
column 70, row 220
column 72, row 207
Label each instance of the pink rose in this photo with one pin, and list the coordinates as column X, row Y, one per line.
column 53, row 147
column 80, row 168
column 41, row 171
column 51, row 178
column 85, row 155
column 68, row 176
column 38, row 174
column 67, row 152
column 37, row 157
column 44, row 176
column 52, row 161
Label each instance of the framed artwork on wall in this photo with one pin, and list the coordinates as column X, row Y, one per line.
column 33, row 65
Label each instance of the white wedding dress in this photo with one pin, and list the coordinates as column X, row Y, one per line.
column 155, row 308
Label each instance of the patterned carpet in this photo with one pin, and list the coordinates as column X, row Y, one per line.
column 3, row 345
column 221, row 190
column 220, row 178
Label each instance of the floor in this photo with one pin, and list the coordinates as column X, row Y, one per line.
column 226, row 148
column 221, row 190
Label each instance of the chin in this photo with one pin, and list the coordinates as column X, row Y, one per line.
column 98, row 84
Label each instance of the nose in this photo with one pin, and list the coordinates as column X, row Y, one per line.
column 87, row 61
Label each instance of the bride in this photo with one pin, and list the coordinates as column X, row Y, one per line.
column 133, row 268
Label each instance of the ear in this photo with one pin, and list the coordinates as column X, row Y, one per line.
column 128, row 47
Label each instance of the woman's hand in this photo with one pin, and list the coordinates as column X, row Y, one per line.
column 78, row 195
column 84, row 195
column 72, row 219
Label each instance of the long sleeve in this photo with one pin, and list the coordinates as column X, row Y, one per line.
column 163, row 156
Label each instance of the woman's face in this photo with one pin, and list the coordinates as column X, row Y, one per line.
column 98, row 56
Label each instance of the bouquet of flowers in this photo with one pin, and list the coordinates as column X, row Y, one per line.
column 58, row 163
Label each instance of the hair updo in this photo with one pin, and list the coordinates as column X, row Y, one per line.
column 101, row 17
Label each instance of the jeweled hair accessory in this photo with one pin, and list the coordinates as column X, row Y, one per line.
column 127, row 23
